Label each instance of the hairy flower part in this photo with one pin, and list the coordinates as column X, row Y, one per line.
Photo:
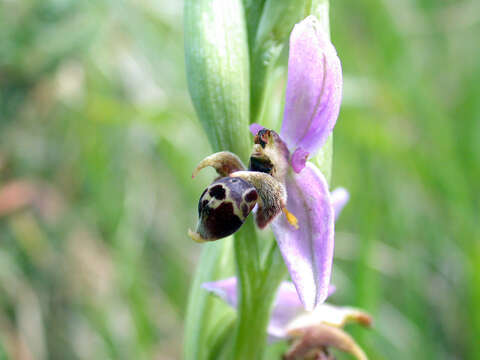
column 314, row 91
column 314, row 341
column 311, row 331
column 307, row 249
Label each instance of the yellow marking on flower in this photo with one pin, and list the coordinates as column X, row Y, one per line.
column 196, row 237
column 292, row 220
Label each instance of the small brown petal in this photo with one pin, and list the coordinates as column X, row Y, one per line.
column 322, row 336
column 330, row 315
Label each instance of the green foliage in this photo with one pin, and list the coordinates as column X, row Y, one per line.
column 216, row 52
column 98, row 136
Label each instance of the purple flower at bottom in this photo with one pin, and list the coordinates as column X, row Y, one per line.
column 312, row 330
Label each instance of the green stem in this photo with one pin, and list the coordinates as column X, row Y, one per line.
column 256, row 289
column 220, row 339
column 261, row 70
column 248, row 268
column 203, row 309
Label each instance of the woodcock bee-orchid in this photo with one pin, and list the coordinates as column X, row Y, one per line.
column 225, row 204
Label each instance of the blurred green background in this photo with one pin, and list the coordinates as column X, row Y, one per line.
column 98, row 139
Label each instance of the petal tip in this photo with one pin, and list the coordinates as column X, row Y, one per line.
column 314, row 87
column 255, row 128
column 339, row 198
column 225, row 289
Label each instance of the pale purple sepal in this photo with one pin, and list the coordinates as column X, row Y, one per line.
column 299, row 158
column 225, row 289
column 255, row 128
column 308, row 250
column 339, row 198
column 314, row 87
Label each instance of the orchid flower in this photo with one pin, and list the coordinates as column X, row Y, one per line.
column 312, row 104
column 312, row 330
column 279, row 176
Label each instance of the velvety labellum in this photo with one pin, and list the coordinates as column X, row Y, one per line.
column 262, row 165
column 224, row 206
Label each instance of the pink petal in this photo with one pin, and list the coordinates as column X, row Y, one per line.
column 308, row 251
column 314, row 87
column 339, row 198
column 255, row 128
column 225, row 289
column 299, row 158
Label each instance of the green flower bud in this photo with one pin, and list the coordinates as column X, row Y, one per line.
column 217, row 63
